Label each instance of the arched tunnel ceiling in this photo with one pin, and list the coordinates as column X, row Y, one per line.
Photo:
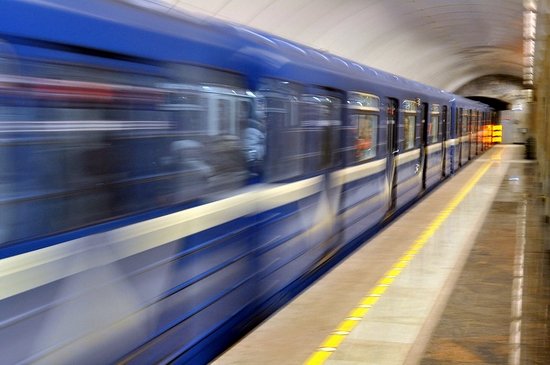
column 443, row 43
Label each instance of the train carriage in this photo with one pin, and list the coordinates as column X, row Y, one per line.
column 168, row 182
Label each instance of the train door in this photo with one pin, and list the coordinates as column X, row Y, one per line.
column 321, row 115
column 465, row 136
column 424, row 143
column 486, row 125
column 393, row 151
column 444, row 142
column 473, row 134
column 452, row 137
column 284, row 137
column 458, row 136
column 479, row 128
column 320, row 119
column 469, row 133
column 474, row 123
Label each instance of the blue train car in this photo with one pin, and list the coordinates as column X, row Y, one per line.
column 468, row 119
column 166, row 182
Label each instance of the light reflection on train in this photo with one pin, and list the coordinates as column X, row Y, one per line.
column 163, row 191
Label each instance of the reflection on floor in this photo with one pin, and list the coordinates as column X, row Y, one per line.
column 498, row 312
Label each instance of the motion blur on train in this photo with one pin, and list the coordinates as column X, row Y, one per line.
column 168, row 182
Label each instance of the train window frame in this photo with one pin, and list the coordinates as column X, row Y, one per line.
column 364, row 119
column 410, row 109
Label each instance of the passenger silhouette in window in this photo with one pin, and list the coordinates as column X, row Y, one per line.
column 364, row 139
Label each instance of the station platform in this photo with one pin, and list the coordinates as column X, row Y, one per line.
column 462, row 277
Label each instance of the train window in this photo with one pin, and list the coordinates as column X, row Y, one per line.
column 223, row 123
column 411, row 110
column 218, row 146
column 465, row 122
column 365, row 127
column 320, row 110
column 190, row 111
column 86, row 144
column 251, row 126
column 363, row 101
column 187, row 74
column 68, row 142
column 8, row 59
column 320, row 117
column 279, row 106
column 433, row 126
column 458, row 122
column 446, row 133
column 363, row 120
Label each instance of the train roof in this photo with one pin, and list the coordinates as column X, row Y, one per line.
column 119, row 27
column 115, row 27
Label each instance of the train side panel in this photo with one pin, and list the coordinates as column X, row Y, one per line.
column 169, row 183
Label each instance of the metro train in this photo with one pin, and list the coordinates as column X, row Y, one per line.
column 167, row 182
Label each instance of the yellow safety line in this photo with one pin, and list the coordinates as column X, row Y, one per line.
column 337, row 336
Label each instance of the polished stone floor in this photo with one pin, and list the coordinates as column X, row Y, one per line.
column 482, row 323
column 461, row 278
